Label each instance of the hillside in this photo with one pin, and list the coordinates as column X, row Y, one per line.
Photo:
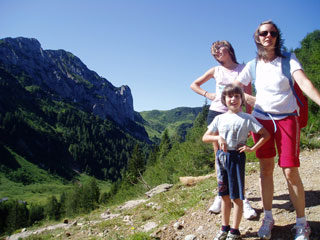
column 177, row 121
column 181, row 212
column 60, row 75
column 61, row 116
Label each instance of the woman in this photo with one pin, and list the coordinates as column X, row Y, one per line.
column 274, row 96
column 224, row 74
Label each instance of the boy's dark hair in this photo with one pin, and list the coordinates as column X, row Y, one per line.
column 279, row 42
column 230, row 90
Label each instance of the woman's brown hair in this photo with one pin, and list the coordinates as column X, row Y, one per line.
column 261, row 54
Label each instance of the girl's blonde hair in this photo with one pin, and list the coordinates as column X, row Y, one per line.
column 217, row 44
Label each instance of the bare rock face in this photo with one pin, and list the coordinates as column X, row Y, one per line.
column 159, row 189
column 64, row 76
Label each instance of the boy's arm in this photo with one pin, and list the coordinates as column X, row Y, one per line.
column 210, row 137
column 264, row 136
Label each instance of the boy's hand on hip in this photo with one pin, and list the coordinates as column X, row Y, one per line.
column 222, row 144
column 245, row 148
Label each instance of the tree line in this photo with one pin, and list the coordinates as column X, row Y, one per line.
column 82, row 199
column 59, row 136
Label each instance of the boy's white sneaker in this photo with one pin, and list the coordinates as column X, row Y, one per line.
column 216, row 206
column 302, row 232
column 248, row 211
column 265, row 229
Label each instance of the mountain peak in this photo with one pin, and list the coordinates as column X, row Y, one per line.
column 65, row 77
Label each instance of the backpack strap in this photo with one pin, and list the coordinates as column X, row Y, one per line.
column 252, row 69
column 285, row 68
column 285, row 65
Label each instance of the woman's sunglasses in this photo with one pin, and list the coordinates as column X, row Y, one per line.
column 265, row 33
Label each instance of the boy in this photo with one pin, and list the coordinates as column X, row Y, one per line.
column 232, row 128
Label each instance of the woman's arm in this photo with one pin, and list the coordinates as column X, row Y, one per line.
column 248, row 91
column 306, row 86
column 196, row 85
column 250, row 100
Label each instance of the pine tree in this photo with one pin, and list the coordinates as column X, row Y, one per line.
column 52, row 208
column 153, row 156
column 165, row 144
column 18, row 216
column 72, row 202
column 63, row 199
column 36, row 213
column 90, row 195
column 136, row 165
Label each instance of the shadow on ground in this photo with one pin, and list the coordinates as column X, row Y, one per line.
column 282, row 232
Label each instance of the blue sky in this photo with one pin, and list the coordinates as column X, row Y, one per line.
column 155, row 47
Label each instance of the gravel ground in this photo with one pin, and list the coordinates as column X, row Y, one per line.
column 202, row 225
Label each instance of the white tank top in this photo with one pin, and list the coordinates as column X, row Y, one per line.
column 223, row 77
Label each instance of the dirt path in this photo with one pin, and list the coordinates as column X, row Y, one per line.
column 202, row 225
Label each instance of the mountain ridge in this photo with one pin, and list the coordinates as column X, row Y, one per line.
column 59, row 115
column 65, row 76
column 49, row 113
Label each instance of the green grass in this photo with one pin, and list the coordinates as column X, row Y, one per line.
column 44, row 184
column 33, row 193
column 162, row 209
column 165, row 207
column 170, row 205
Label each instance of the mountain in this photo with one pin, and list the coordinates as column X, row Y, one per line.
column 64, row 118
column 177, row 121
column 58, row 114
column 63, row 76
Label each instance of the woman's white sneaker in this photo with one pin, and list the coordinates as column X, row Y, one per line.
column 302, row 232
column 216, row 206
column 248, row 211
column 265, row 229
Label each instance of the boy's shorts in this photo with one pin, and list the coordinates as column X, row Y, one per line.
column 231, row 171
column 287, row 139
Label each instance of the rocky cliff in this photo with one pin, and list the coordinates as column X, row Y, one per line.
column 63, row 76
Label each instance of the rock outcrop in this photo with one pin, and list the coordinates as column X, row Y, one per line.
column 63, row 76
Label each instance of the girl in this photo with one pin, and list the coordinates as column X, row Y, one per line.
column 223, row 74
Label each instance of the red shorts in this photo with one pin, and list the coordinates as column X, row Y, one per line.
column 287, row 139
